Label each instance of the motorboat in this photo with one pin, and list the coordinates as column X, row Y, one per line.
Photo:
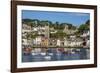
column 47, row 58
column 43, row 53
column 50, row 54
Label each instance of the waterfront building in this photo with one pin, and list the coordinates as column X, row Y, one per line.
column 58, row 42
column 44, row 42
column 86, row 37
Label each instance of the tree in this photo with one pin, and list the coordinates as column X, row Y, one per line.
column 53, row 35
column 83, row 28
column 56, row 25
column 35, row 22
column 28, row 36
column 60, row 34
column 34, row 35
column 45, row 23
column 26, row 21
column 88, row 22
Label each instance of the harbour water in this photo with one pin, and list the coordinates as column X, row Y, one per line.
column 53, row 54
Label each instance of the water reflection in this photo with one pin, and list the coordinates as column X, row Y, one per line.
column 55, row 54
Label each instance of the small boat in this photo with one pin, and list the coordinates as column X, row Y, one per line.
column 33, row 53
column 73, row 52
column 50, row 54
column 43, row 53
column 47, row 58
column 77, row 49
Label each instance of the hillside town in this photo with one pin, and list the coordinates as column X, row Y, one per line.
column 46, row 36
column 42, row 38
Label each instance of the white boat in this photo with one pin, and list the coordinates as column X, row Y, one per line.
column 73, row 52
column 78, row 49
column 43, row 53
column 47, row 57
column 33, row 53
column 50, row 54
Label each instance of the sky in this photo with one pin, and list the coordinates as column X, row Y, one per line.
column 62, row 17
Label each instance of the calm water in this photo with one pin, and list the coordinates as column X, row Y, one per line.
column 53, row 55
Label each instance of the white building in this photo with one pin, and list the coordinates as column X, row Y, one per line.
column 58, row 42
column 85, row 33
column 26, row 42
column 73, row 42
column 38, row 40
column 86, row 36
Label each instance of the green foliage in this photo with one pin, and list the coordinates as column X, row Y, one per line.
column 33, row 36
column 88, row 22
column 82, row 28
column 53, row 35
column 28, row 36
column 44, row 23
column 61, row 34
column 56, row 25
column 26, row 21
column 58, row 34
